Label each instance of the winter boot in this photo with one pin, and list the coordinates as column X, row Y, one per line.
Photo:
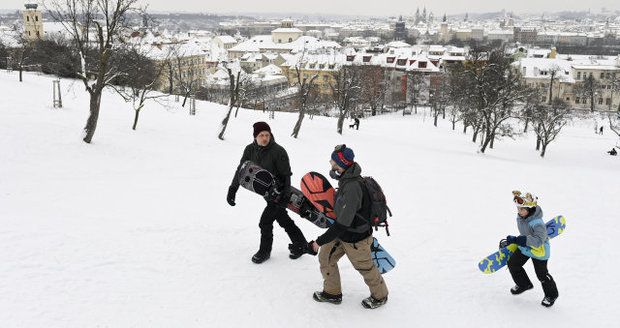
column 372, row 303
column 260, row 257
column 321, row 296
column 548, row 301
column 551, row 291
column 297, row 250
column 516, row 290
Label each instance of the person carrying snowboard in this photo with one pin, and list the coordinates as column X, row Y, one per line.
column 265, row 152
column 532, row 242
column 351, row 234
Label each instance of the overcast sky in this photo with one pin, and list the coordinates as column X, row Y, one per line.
column 364, row 7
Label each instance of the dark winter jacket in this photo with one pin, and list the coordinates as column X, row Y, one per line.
column 534, row 229
column 272, row 158
column 352, row 208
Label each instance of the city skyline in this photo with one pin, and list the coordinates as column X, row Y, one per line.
column 348, row 7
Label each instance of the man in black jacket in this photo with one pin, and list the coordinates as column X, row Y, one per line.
column 351, row 234
column 266, row 153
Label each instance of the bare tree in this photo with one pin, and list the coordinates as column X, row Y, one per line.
column 304, row 86
column 346, row 92
column 614, row 122
column 439, row 98
column 234, row 76
column 138, row 86
column 497, row 89
column 106, row 19
column 374, row 88
column 549, row 121
column 589, row 88
column 554, row 70
column 416, row 83
column 615, row 88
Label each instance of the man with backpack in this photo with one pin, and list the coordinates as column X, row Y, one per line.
column 351, row 234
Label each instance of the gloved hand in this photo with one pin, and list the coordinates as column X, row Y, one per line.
column 519, row 240
column 279, row 196
column 232, row 193
column 311, row 250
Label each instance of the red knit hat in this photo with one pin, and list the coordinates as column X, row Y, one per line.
column 260, row 127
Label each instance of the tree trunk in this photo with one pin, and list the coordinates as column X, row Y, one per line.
column 453, row 125
column 340, row 123
column 237, row 109
column 527, row 122
column 135, row 119
column 492, row 141
column 592, row 102
column 91, row 123
column 185, row 99
column 435, row 119
column 544, row 149
column 297, row 127
column 20, row 74
column 225, row 122
column 475, row 137
column 485, row 144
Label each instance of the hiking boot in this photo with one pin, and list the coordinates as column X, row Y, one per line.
column 516, row 290
column 372, row 303
column 260, row 257
column 297, row 250
column 548, row 301
column 321, row 296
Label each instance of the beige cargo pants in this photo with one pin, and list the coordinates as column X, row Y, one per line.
column 359, row 255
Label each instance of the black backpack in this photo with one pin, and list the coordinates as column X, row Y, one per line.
column 378, row 205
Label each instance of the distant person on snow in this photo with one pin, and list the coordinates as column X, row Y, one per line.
column 266, row 153
column 613, row 151
column 350, row 235
column 356, row 124
column 532, row 242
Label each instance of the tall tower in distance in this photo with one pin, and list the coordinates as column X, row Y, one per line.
column 33, row 22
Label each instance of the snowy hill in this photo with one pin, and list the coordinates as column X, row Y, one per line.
column 134, row 231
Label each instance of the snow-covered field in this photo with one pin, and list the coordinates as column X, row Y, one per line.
column 134, row 230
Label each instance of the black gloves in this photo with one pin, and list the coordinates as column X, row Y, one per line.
column 230, row 198
column 520, row 240
column 310, row 250
column 280, row 196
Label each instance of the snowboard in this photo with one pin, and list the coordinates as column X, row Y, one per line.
column 499, row 259
column 317, row 189
column 258, row 180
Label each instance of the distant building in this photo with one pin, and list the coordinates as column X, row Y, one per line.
column 33, row 22
column 400, row 31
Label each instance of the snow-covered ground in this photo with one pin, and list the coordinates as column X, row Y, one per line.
column 134, row 230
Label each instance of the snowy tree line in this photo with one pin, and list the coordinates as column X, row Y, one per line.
column 484, row 93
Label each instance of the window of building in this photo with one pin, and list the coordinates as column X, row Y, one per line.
column 27, row 18
column 602, row 75
column 366, row 59
column 290, row 39
column 350, row 57
column 577, row 100
column 279, row 40
column 608, row 101
column 600, row 101
column 36, row 18
column 422, row 64
column 578, row 75
column 390, row 60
